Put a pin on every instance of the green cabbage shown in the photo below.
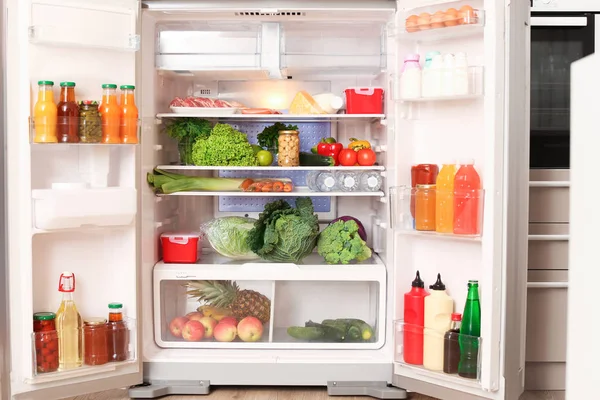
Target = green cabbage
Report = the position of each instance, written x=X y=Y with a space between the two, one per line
x=229 y=237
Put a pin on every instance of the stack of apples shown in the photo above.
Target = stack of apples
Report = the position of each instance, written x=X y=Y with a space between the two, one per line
x=195 y=327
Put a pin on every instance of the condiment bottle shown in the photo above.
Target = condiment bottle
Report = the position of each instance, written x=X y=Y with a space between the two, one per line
x=68 y=114
x=414 y=319
x=68 y=326
x=461 y=75
x=426 y=74
x=470 y=330
x=444 y=199
x=118 y=334
x=410 y=78
x=467 y=193
x=95 y=341
x=425 y=208
x=129 y=116
x=452 y=346
x=421 y=174
x=111 y=115
x=45 y=114
x=438 y=308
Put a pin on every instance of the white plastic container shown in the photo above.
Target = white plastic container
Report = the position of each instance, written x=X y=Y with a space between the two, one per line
x=329 y=102
x=410 y=78
x=438 y=312
x=425 y=74
x=434 y=77
x=448 y=76
x=461 y=75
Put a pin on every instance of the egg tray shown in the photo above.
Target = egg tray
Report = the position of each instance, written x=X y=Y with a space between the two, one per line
x=444 y=19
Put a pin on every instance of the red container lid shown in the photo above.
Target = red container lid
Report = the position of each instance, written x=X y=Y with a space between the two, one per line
x=456 y=317
x=367 y=91
x=180 y=237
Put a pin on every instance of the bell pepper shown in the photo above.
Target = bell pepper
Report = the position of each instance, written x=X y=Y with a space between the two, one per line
x=329 y=149
x=357 y=145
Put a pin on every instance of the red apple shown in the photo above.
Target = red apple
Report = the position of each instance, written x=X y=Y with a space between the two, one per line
x=209 y=326
x=193 y=331
x=176 y=326
x=195 y=316
x=225 y=332
x=229 y=320
x=250 y=329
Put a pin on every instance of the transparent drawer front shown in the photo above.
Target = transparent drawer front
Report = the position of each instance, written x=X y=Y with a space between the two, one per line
x=447 y=355
x=327 y=314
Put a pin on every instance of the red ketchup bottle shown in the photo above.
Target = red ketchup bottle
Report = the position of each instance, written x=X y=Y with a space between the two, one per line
x=414 y=320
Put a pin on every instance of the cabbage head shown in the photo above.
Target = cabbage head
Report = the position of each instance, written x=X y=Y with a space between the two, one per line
x=229 y=237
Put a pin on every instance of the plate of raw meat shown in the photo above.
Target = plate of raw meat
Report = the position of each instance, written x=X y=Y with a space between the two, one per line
x=204 y=106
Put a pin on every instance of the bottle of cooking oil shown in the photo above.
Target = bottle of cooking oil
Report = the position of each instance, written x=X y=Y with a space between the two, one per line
x=69 y=326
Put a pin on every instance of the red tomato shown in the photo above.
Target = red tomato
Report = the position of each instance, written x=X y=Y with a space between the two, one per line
x=366 y=157
x=347 y=157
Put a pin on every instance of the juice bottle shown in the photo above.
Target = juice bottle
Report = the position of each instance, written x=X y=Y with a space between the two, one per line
x=68 y=114
x=467 y=192
x=438 y=309
x=421 y=174
x=111 y=115
x=444 y=200
x=118 y=334
x=69 y=326
x=45 y=114
x=414 y=318
x=129 y=115
x=470 y=330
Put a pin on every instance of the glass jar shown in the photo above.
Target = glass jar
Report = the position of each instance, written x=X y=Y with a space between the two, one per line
x=118 y=334
x=95 y=346
x=289 y=149
x=90 y=123
x=46 y=342
x=425 y=208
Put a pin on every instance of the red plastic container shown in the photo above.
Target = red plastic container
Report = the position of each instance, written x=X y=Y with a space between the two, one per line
x=364 y=100
x=180 y=247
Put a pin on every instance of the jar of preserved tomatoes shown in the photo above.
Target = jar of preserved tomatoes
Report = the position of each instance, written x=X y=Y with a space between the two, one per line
x=118 y=333
x=46 y=342
x=95 y=347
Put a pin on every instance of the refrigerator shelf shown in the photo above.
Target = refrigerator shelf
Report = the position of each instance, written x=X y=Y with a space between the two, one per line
x=79 y=123
x=298 y=191
x=269 y=168
x=279 y=117
x=422 y=31
x=83 y=371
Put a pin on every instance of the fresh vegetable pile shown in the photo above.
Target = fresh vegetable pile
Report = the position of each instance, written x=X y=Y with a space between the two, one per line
x=283 y=233
x=229 y=236
x=186 y=131
x=341 y=243
x=225 y=146
x=333 y=330
x=268 y=137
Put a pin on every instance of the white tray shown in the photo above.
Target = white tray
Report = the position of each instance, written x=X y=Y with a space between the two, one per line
x=205 y=111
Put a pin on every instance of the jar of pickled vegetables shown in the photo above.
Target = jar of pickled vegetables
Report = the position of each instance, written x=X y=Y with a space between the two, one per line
x=46 y=342
x=90 y=123
x=95 y=344
x=289 y=149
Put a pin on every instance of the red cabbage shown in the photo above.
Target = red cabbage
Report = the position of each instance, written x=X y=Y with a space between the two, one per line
x=361 y=229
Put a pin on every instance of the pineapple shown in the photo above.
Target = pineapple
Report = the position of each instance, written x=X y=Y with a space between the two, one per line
x=227 y=294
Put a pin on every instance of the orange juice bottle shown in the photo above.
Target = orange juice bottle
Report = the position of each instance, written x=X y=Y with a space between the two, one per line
x=129 y=115
x=111 y=115
x=467 y=192
x=444 y=206
x=45 y=114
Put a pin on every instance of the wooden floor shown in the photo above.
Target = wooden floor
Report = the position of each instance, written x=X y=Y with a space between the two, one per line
x=286 y=394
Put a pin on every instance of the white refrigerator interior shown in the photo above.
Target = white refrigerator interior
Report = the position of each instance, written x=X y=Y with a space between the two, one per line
x=87 y=208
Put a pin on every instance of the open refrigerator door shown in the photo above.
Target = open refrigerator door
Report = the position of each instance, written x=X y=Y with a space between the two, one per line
x=459 y=206
x=72 y=199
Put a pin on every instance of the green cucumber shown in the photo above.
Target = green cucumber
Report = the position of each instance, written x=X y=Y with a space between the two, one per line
x=331 y=333
x=316 y=160
x=305 y=333
x=366 y=332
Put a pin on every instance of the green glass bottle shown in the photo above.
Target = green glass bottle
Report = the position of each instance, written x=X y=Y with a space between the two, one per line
x=470 y=330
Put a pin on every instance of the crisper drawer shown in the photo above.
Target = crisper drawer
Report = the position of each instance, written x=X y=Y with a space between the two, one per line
x=548 y=247
x=549 y=196
x=546 y=316
x=223 y=304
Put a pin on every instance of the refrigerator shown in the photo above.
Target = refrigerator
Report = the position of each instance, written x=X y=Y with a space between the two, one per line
x=88 y=209
x=4 y=350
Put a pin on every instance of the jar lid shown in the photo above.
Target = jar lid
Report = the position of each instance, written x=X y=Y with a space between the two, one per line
x=113 y=306
x=50 y=83
x=67 y=84
x=124 y=87
x=94 y=321
x=88 y=102
x=288 y=132
x=44 y=316
x=182 y=235
x=425 y=186
x=109 y=86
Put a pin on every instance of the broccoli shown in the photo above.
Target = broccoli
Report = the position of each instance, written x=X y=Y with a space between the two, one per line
x=225 y=147
x=340 y=243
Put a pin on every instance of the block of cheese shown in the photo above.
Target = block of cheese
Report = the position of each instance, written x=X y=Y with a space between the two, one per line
x=304 y=103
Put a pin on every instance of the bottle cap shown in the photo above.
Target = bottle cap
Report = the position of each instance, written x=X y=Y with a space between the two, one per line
x=124 y=87
x=473 y=283
x=456 y=317
x=44 y=316
x=94 y=321
x=115 y=305
x=67 y=84
x=429 y=56
x=418 y=282
x=66 y=282
x=109 y=86
x=438 y=285
x=49 y=83
x=466 y=161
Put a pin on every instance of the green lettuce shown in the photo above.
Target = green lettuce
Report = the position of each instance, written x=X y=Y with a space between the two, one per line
x=229 y=237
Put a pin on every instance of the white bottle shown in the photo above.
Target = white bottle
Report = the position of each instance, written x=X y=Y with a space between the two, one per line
x=329 y=102
x=448 y=76
x=410 y=78
x=347 y=181
x=438 y=311
x=326 y=182
x=425 y=81
x=434 y=77
x=370 y=181
x=461 y=75
x=311 y=180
